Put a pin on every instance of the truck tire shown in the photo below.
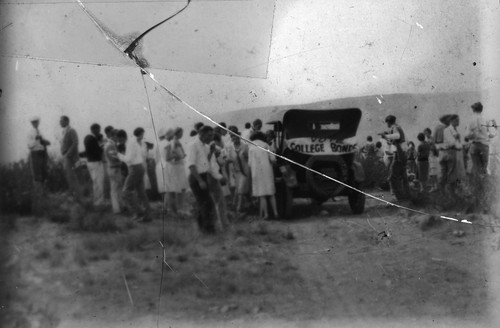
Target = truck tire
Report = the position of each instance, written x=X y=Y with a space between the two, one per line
x=317 y=191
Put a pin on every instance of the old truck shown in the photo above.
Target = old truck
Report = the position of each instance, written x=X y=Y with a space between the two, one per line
x=322 y=140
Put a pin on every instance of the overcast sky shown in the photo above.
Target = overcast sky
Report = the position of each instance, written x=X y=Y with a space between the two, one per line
x=226 y=55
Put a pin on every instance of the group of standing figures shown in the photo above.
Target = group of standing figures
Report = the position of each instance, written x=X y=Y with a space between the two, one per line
x=219 y=167
x=445 y=161
x=222 y=168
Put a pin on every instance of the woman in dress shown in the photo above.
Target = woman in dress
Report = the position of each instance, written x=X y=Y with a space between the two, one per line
x=261 y=167
x=238 y=156
x=178 y=166
x=162 y=166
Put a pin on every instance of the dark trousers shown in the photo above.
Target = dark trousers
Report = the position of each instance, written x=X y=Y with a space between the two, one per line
x=135 y=183
x=38 y=161
x=206 y=207
x=398 y=179
x=479 y=154
x=72 y=179
x=423 y=171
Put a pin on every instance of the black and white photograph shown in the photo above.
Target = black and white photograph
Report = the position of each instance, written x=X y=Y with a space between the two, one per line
x=249 y=163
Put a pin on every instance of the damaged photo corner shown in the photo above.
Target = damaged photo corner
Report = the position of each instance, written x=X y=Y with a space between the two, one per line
x=334 y=207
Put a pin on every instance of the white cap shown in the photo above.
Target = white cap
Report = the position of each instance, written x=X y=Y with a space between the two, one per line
x=34 y=118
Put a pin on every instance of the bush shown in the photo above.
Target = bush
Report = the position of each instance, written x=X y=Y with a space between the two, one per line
x=16 y=184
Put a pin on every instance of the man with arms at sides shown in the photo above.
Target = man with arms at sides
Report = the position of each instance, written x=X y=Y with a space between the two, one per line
x=69 y=152
x=199 y=167
x=93 y=149
x=479 y=132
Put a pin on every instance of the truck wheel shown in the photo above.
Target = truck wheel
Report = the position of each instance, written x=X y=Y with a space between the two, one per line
x=284 y=200
x=356 y=202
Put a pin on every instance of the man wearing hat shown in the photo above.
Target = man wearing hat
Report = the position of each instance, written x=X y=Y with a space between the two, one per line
x=479 y=132
x=398 y=178
x=38 y=152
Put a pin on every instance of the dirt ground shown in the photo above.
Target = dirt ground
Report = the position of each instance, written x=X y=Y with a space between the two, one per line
x=320 y=268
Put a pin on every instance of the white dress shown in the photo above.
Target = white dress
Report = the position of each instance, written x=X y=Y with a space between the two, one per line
x=178 y=174
x=261 y=168
x=162 y=167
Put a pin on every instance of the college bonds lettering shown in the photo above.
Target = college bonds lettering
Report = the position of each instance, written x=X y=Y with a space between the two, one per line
x=314 y=146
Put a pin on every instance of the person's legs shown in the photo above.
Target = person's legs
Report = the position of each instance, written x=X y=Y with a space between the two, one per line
x=217 y=198
x=130 y=187
x=71 y=179
x=96 y=170
x=263 y=207
x=36 y=162
x=172 y=205
x=37 y=170
x=99 y=189
x=142 y=196
x=205 y=205
x=115 y=185
x=479 y=157
x=424 y=174
x=274 y=206
x=179 y=197
x=393 y=179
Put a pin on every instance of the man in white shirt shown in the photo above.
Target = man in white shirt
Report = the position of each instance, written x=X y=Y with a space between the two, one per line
x=398 y=178
x=38 y=152
x=247 y=130
x=134 y=182
x=479 y=132
x=199 y=167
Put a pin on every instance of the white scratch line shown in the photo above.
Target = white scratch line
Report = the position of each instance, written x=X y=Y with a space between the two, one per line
x=17 y=64
x=419 y=25
x=379 y=101
x=448 y=218
x=174 y=96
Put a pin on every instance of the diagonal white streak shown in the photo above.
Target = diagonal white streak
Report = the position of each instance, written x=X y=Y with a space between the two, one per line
x=173 y=95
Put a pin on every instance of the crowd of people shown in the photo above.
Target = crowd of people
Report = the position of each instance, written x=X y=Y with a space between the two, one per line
x=222 y=169
x=219 y=167
x=443 y=161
